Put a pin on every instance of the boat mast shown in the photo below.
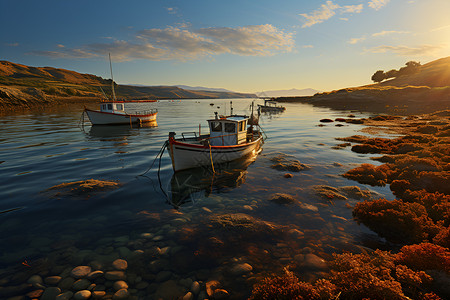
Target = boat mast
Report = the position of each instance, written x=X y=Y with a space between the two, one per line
x=112 y=78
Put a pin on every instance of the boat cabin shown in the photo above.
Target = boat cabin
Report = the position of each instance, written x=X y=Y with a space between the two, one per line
x=112 y=107
x=227 y=131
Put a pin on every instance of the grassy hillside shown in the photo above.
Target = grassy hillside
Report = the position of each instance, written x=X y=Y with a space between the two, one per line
x=26 y=86
x=426 y=90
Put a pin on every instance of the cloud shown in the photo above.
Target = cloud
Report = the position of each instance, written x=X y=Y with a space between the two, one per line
x=440 y=28
x=172 y=10
x=356 y=40
x=352 y=8
x=328 y=10
x=408 y=51
x=388 y=32
x=182 y=43
x=378 y=4
x=13 y=45
x=308 y=46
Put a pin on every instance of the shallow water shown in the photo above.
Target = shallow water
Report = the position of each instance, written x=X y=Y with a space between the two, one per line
x=41 y=149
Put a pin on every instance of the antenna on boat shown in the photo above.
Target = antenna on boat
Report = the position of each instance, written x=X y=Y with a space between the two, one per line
x=112 y=78
x=103 y=93
x=231 y=108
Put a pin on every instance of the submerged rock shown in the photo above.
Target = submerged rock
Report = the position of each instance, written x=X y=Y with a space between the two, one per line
x=283 y=162
x=81 y=188
x=283 y=199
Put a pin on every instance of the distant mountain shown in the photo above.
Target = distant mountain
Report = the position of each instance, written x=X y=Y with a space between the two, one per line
x=22 y=85
x=202 y=88
x=288 y=93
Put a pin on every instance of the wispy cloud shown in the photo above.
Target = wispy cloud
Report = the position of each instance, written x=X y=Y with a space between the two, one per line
x=12 y=44
x=408 y=51
x=388 y=32
x=328 y=10
x=440 y=28
x=172 y=10
x=182 y=43
x=356 y=40
x=378 y=4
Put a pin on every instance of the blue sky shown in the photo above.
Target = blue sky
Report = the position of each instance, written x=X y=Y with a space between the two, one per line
x=244 y=45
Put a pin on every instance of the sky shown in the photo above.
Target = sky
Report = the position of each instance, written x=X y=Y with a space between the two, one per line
x=240 y=45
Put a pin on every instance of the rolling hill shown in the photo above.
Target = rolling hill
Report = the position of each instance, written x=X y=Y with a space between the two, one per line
x=426 y=90
x=25 y=86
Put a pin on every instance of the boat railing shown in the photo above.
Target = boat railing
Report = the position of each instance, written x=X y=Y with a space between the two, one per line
x=251 y=136
x=145 y=112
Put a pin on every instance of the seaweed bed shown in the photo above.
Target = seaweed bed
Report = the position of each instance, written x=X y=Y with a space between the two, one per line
x=416 y=166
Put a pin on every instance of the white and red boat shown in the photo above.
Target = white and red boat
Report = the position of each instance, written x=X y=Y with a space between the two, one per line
x=113 y=113
x=230 y=138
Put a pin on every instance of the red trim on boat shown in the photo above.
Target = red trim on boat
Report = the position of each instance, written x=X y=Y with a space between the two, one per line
x=125 y=115
x=175 y=142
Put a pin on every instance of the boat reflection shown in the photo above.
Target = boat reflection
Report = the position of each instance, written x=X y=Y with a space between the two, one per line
x=190 y=185
x=107 y=131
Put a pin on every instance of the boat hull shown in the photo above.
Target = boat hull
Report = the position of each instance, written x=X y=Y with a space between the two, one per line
x=186 y=156
x=105 y=118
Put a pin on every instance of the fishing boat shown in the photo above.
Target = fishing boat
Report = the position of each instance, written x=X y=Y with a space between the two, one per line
x=113 y=112
x=270 y=105
x=230 y=138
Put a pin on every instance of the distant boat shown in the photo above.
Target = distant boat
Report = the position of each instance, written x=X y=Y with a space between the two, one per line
x=229 y=139
x=113 y=112
x=270 y=105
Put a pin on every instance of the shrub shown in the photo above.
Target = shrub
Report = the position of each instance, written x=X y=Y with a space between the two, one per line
x=425 y=256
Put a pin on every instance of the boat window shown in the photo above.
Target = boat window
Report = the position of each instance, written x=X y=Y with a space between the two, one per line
x=119 y=107
x=230 y=127
x=110 y=107
x=241 y=126
x=216 y=126
x=103 y=106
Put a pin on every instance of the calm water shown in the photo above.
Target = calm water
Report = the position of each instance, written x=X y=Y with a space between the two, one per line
x=42 y=149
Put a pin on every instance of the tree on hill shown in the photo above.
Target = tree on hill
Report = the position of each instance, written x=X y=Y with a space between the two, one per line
x=411 y=68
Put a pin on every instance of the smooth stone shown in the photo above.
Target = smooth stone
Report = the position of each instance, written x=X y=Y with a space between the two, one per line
x=50 y=293
x=121 y=294
x=220 y=294
x=211 y=286
x=163 y=276
x=115 y=275
x=195 y=287
x=124 y=252
x=206 y=209
x=35 y=294
x=147 y=235
x=64 y=296
x=81 y=284
x=241 y=269
x=315 y=262
x=188 y=296
x=82 y=295
x=94 y=275
x=169 y=290
x=80 y=271
x=142 y=285
x=66 y=283
x=118 y=285
x=98 y=294
x=35 y=279
x=120 y=264
x=52 y=280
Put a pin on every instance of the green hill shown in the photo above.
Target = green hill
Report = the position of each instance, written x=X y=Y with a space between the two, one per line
x=25 y=86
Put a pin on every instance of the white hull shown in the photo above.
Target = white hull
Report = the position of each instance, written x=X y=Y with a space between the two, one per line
x=187 y=155
x=106 y=118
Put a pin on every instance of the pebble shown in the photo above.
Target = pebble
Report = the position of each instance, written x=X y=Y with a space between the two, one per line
x=94 y=275
x=66 y=283
x=64 y=296
x=315 y=262
x=80 y=271
x=82 y=295
x=35 y=294
x=115 y=275
x=98 y=294
x=142 y=285
x=50 y=293
x=120 y=264
x=195 y=287
x=81 y=284
x=188 y=296
x=241 y=269
x=220 y=294
x=206 y=209
x=52 y=280
x=118 y=285
x=163 y=276
x=211 y=286
x=35 y=279
x=121 y=294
